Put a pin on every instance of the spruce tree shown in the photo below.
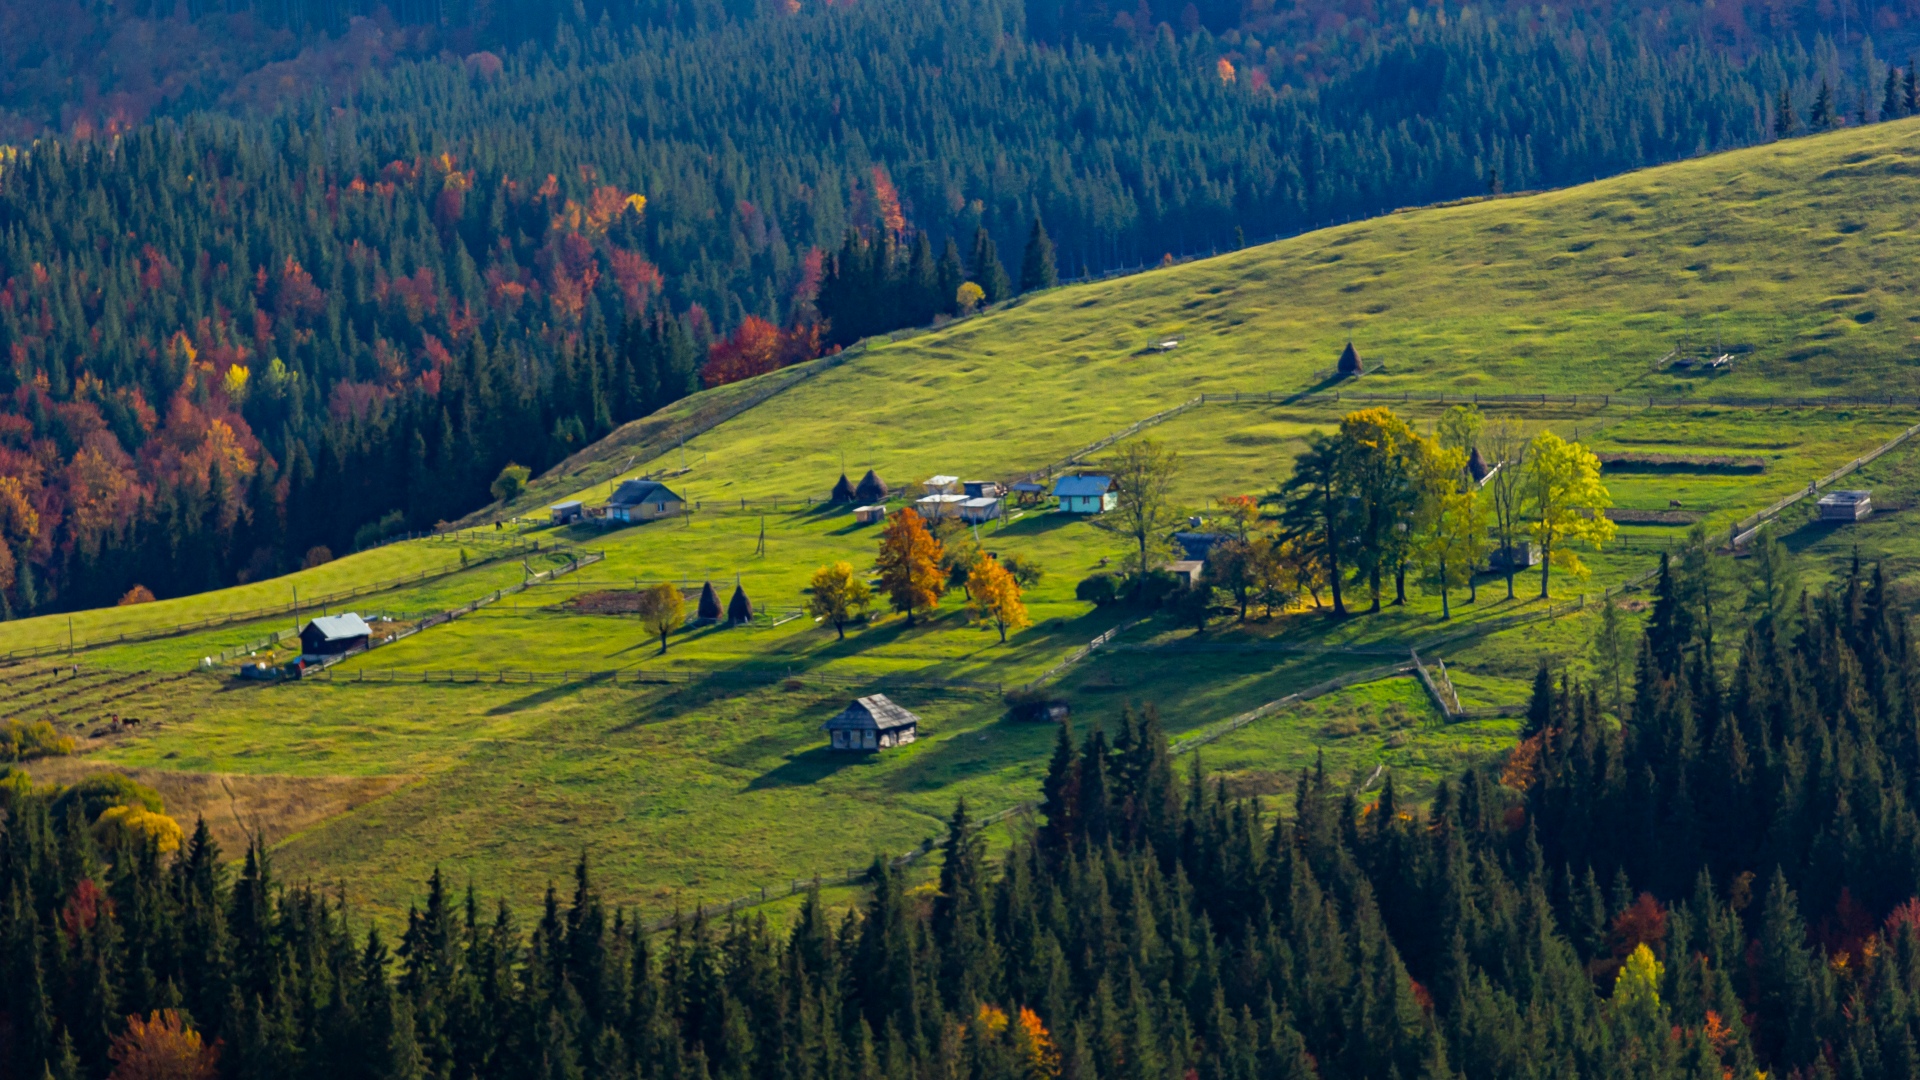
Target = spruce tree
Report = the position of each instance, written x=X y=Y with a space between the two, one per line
x=1036 y=265
x=986 y=270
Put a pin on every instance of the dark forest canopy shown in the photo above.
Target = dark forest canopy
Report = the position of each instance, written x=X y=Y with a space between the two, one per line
x=232 y=342
x=1719 y=881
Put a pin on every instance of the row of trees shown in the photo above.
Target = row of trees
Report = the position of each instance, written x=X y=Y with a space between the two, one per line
x=1721 y=882
x=916 y=568
x=1375 y=501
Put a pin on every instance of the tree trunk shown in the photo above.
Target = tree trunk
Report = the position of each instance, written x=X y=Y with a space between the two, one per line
x=1509 y=557
x=663 y=642
x=840 y=628
x=1003 y=632
x=1400 y=585
x=1373 y=589
x=1546 y=564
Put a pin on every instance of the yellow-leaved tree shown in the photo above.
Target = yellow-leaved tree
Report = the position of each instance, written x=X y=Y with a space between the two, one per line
x=909 y=564
x=1566 y=502
x=1636 y=996
x=993 y=594
x=662 y=610
x=837 y=593
x=1451 y=527
x=135 y=826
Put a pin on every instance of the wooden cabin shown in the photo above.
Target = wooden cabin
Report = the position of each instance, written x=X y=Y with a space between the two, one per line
x=981 y=510
x=643 y=500
x=871 y=724
x=330 y=635
x=566 y=513
x=867 y=515
x=1846 y=505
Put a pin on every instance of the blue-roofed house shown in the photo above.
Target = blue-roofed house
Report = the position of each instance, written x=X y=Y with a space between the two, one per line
x=643 y=500
x=1086 y=494
x=329 y=635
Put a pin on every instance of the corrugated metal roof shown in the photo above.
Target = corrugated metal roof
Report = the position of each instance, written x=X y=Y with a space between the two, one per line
x=338 y=627
x=1082 y=486
x=873 y=711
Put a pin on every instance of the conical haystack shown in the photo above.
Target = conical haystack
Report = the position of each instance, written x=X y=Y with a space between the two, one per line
x=842 y=491
x=739 y=609
x=709 y=604
x=872 y=489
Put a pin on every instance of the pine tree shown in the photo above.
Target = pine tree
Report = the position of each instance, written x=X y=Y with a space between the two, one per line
x=986 y=271
x=1823 y=116
x=1036 y=265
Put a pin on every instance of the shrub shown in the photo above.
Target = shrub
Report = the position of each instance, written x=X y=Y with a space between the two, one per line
x=136 y=826
x=316 y=555
x=1153 y=587
x=1099 y=589
x=1026 y=572
x=511 y=482
x=24 y=740
x=139 y=594
x=96 y=793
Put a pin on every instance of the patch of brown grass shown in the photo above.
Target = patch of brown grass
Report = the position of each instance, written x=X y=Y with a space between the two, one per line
x=238 y=805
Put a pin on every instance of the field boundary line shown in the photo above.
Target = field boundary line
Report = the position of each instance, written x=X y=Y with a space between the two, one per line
x=256 y=614
x=1648 y=401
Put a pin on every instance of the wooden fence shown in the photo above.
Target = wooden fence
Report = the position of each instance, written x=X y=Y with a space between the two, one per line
x=655 y=677
x=1319 y=397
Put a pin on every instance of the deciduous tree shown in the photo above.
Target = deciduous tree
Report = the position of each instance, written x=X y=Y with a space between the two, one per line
x=909 y=564
x=995 y=595
x=1452 y=527
x=1143 y=472
x=662 y=610
x=1566 y=504
x=838 y=593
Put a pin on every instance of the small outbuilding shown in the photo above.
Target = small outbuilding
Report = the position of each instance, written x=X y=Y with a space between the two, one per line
x=1523 y=554
x=1085 y=494
x=842 y=491
x=1198 y=546
x=331 y=635
x=1846 y=505
x=1187 y=571
x=739 y=609
x=643 y=500
x=868 y=515
x=980 y=510
x=1026 y=491
x=935 y=507
x=871 y=723
x=982 y=489
x=871 y=489
x=1349 y=365
x=566 y=513
x=942 y=485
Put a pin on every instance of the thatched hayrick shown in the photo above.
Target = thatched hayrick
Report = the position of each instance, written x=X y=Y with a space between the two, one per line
x=872 y=489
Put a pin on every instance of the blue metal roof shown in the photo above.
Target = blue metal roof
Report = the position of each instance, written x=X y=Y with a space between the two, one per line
x=1082 y=486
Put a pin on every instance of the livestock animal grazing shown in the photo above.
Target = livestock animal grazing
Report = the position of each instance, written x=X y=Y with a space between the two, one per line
x=1673 y=504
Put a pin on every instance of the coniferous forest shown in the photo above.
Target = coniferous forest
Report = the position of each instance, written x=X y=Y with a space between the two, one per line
x=1720 y=880
x=244 y=334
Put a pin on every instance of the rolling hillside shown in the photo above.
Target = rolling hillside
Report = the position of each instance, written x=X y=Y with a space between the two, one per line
x=711 y=781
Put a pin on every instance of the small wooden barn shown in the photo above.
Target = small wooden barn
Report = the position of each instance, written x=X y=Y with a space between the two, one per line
x=739 y=609
x=867 y=515
x=981 y=510
x=1846 y=505
x=566 y=513
x=942 y=485
x=871 y=723
x=871 y=489
x=330 y=635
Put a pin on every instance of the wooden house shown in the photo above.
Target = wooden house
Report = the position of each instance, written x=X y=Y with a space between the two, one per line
x=1846 y=505
x=871 y=723
x=643 y=500
x=566 y=513
x=330 y=635
x=867 y=515
x=1086 y=494
x=981 y=510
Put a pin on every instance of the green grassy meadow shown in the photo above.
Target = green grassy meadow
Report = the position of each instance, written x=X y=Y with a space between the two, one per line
x=719 y=783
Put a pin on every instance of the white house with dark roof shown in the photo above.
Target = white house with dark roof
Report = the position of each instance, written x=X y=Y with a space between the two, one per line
x=871 y=723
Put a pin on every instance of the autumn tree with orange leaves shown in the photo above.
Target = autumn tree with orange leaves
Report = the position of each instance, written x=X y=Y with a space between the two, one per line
x=909 y=564
x=161 y=1047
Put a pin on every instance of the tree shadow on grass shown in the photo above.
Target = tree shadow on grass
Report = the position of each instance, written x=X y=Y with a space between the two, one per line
x=810 y=766
x=1035 y=524
x=538 y=698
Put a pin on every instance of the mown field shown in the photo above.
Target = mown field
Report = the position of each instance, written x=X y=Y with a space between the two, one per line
x=719 y=784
